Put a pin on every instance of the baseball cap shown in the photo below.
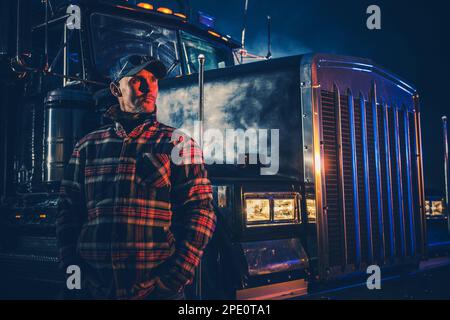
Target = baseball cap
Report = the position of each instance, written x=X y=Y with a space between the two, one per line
x=130 y=65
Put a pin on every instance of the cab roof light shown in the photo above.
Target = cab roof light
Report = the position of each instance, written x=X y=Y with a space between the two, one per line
x=180 y=15
x=145 y=5
x=126 y=8
x=215 y=34
x=165 y=10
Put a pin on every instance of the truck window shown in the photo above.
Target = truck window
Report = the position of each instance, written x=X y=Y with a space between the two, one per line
x=114 y=37
x=216 y=56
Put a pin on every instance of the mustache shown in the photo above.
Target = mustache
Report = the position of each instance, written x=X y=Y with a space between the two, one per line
x=146 y=96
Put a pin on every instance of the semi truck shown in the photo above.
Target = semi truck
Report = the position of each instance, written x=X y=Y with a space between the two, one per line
x=348 y=191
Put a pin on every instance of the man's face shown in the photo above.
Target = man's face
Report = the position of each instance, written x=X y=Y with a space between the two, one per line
x=138 y=93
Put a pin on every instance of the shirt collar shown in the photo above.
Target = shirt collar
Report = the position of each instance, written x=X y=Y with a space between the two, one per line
x=115 y=114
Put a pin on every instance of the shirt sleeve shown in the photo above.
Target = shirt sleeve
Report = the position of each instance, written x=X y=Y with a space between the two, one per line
x=193 y=220
x=71 y=209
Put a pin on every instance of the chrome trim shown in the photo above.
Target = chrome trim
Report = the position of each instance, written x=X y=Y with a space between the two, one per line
x=351 y=107
x=373 y=100
x=340 y=171
x=387 y=148
x=446 y=171
x=367 y=67
x=65 y=62
x=307 y=135
x=421 y=189
x=201 y=96
x=399 y=181
x=311 y=101
x=201 y=116
x=321 y=205
x=408 y=183
x=366 y=177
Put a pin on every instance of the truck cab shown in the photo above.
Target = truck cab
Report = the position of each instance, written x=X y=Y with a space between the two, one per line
x=346 y=186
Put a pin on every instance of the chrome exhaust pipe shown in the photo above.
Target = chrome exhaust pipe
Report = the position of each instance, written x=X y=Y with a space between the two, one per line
x=201 y=101
x=446 y=169
x=201 y=117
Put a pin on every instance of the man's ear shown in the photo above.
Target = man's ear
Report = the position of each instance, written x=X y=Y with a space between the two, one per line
x=115 y=90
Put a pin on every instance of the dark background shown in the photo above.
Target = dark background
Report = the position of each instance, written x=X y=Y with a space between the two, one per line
x=413 y=43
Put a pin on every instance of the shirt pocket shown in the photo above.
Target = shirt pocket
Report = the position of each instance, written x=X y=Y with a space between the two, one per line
x=153 y=170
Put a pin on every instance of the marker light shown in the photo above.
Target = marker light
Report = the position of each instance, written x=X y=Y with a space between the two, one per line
x=165 y=10
x=180 y=15
x=215 y=34
x=42 y=216
x=145 y=5
x=126 y=8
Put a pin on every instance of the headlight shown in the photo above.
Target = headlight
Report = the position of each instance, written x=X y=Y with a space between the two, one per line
x=437 y=208
x=428 y=207
x=271 y=208
x=284 y=209
x=311 y=209
x=257 y=210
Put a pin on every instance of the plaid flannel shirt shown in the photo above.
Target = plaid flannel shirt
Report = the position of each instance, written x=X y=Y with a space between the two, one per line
x=128 y=213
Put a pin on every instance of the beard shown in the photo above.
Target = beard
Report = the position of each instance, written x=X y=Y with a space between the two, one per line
x=143 y=104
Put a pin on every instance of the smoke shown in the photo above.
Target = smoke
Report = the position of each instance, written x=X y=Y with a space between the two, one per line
x=178 y=107
x=243 y=102
x=282 y=46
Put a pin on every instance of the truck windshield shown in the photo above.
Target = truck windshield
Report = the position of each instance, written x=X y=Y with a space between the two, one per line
x=114 y=37
x=216 y=56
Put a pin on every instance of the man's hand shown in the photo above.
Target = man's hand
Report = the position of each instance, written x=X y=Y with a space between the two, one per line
x=160 y=284
x=193 y=220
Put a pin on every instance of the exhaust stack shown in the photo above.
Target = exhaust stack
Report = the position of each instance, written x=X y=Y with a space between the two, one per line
x=446 y=169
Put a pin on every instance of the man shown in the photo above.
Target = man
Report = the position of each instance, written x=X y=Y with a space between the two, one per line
x=133 y=220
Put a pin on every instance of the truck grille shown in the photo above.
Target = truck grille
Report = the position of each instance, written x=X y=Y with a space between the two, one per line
x=334 y=216
x=370 y=180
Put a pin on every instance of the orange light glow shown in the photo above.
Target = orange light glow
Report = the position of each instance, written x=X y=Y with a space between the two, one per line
x=126 y=8
x=42 y=216
x=165 y=10
x=180 y=15
x=145 y=5
x=317 y=162
x=215 y=34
